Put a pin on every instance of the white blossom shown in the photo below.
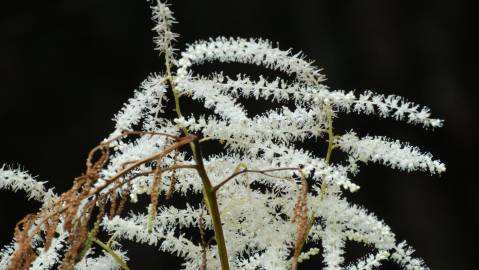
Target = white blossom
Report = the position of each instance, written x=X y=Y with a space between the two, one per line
x=105 y=261
x=249 y=51
x=394 y=154
x=163 y=17
x=402 y=255
x=17 y=179
x=396 y=107
x=6 y=253
x=370 y=262
x=48 y=259
x=146 y=101
x=256 y=208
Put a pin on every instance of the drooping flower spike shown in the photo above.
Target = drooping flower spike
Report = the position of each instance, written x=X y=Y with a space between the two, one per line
x=272 y=196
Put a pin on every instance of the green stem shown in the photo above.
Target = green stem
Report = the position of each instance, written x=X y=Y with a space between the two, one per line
x=111 y=239
x=91 y=235
x=208 y=191
x=112 y=253
x=212 y=204
x=176 y=97
x=330 y=135
x=324 y=186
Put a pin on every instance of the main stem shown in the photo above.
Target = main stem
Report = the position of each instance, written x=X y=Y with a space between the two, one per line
x=212 y=204
x=209 y=193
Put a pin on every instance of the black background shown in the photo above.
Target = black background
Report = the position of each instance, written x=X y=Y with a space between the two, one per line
x=67 y=66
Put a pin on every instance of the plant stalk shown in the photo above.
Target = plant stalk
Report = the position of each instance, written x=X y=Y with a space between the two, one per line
x=208 y=190
x=212 y=205
x=122 y=263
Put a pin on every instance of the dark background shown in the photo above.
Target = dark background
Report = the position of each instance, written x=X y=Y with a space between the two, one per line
x=66 y=67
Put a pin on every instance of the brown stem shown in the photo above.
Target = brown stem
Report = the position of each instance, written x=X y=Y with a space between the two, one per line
x=180 y=142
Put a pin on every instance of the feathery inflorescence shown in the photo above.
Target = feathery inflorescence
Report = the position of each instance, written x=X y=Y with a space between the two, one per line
x=272 y=195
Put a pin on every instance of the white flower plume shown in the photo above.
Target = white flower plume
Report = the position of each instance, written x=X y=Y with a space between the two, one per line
x=394 y=154
x=17 y=179
x=281 y=194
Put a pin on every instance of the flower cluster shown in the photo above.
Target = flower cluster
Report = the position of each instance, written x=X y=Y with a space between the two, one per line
x=265 y=196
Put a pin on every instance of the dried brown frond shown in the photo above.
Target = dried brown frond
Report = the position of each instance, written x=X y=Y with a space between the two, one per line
x=154 y=195
x=95 y=166
x=113 y=200
x=51 y=228
x=77 y=205
x=78 y=236
x=96 y=227
x=24 y=255
x=123 y=200
x=70 y=213
x=173 y=179
x=300 y=217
